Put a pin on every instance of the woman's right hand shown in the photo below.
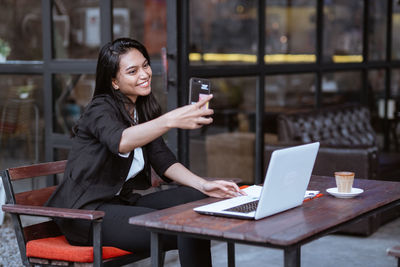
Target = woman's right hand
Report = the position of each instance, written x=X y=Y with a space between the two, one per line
x=190 y=116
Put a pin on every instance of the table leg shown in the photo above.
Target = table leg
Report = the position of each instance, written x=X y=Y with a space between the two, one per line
x=231 y=254
x=156 y=251
x=292 y=256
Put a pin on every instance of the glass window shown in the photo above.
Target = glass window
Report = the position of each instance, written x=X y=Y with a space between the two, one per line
x=376 y=87
x=341 y=87
x=71 y=93
x=20 y=30
x=377 y=30
x=145 y=21
x=223 y=32
x=290 y=31
x=226 y=147
x=76 y=29
x=295 y=91
x=158 y=91
x=287 y=93
x=376 y=97
x=393 y=110
x=21 y=120
x=396 y=30
x=395 y=86
x=343 y=29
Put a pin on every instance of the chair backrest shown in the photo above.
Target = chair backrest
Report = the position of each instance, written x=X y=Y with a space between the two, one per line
x=32 y=197
x=345 y=125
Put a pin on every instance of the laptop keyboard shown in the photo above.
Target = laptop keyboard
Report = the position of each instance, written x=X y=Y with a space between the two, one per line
x=245 y=208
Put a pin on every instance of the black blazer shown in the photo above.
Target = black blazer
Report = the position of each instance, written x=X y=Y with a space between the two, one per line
x=95 y=172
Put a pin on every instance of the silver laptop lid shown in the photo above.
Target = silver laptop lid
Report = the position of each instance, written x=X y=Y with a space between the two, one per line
x=288 y=174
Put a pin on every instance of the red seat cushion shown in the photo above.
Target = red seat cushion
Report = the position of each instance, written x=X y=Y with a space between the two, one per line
x=58 y=248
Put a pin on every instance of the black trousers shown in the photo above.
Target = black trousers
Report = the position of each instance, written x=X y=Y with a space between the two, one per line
x=116 y=230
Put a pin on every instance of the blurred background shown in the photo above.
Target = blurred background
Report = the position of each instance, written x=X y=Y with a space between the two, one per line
x=264 y=58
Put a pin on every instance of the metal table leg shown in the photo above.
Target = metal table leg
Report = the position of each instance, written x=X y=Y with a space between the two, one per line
x=292 y=256
x=156 y=251
x=231 y=254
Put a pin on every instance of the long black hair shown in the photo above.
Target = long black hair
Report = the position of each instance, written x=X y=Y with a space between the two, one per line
x=147 y=107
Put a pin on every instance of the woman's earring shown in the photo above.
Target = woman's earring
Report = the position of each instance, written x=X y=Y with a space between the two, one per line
x=114 y=85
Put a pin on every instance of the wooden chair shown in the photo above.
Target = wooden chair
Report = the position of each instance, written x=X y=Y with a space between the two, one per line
x=42 y=243
x=395 y=252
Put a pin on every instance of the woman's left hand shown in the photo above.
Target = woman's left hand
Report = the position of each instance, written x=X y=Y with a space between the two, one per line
x=221 y=189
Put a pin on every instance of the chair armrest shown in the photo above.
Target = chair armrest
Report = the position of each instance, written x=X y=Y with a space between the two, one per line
x=90 y=215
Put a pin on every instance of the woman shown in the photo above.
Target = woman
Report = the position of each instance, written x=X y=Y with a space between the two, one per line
x=116 y=142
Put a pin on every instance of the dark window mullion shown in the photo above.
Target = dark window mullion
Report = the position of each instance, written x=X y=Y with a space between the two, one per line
x=388 y=70
x=73 y=66
x=319 y=52
x=48 y=49
x=260 y=105
x=389 y=26
x=183 y=64
x=172 y=75
x=26 y=67
x=106 y=21
x=364 y=91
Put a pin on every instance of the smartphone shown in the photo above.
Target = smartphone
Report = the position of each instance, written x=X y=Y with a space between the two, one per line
x=198 y=89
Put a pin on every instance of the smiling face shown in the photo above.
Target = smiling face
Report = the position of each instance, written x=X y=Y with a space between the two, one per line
x=134 y=75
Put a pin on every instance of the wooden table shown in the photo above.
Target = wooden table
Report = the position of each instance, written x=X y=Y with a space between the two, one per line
x=288 y=230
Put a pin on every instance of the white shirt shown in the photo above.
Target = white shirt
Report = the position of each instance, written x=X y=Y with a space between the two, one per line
x=137 y=162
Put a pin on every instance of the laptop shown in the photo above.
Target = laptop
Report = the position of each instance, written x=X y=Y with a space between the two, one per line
x=285 y=185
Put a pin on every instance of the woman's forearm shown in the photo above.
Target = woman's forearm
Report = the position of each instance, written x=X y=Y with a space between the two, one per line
x=216 y=188
x=142 y=134
x=182 y=175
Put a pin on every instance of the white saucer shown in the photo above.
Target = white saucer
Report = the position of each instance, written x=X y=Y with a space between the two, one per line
x=354 y=192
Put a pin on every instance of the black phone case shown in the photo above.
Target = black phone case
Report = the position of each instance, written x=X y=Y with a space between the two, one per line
x=198 y=86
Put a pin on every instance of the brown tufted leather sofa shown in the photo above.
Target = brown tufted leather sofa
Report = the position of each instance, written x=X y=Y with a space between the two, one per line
x=348 y=142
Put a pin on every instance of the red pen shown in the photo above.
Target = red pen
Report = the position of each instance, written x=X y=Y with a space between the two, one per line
x=316 y=196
